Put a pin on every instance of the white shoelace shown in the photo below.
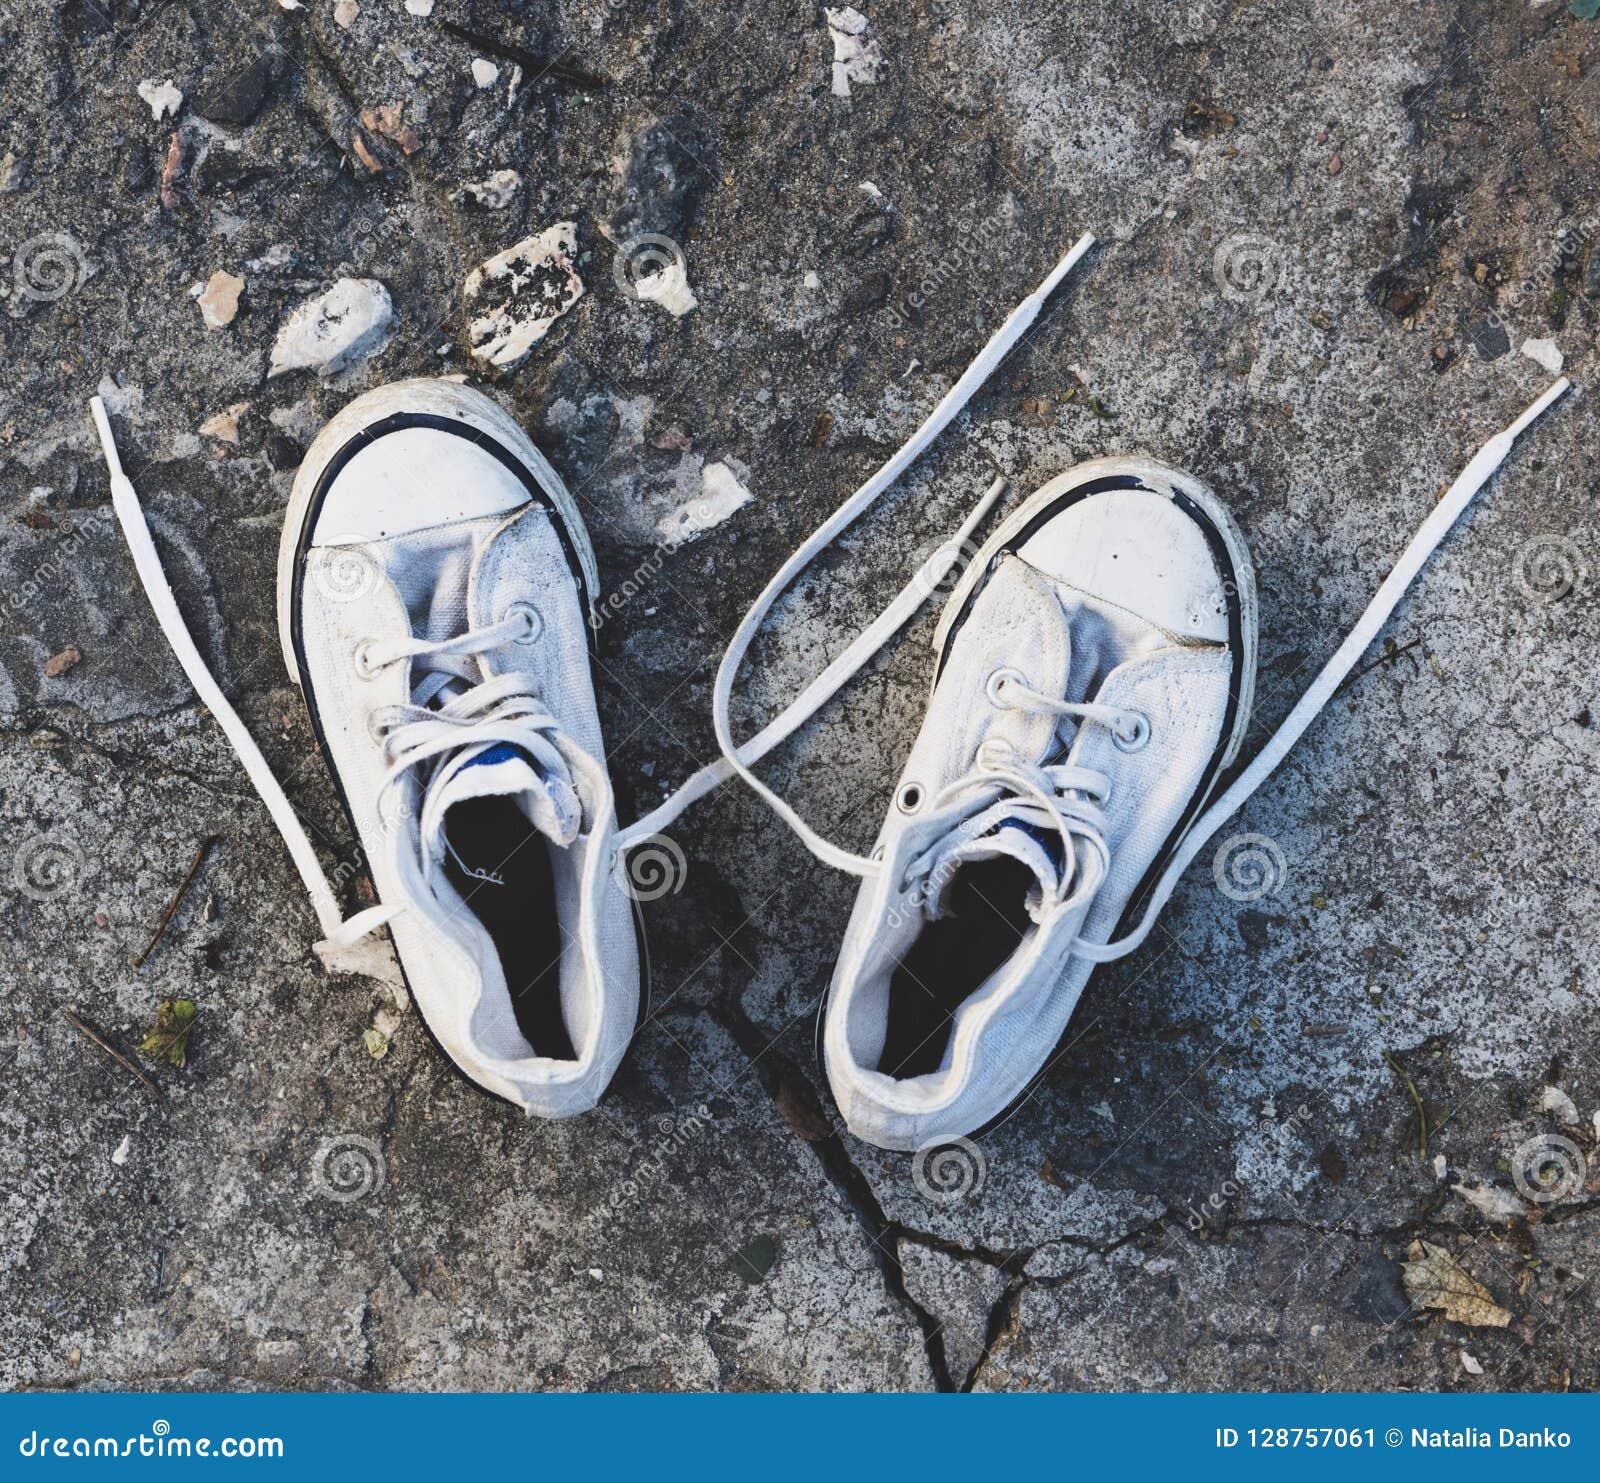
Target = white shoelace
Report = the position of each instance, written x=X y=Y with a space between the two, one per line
x=738 y=760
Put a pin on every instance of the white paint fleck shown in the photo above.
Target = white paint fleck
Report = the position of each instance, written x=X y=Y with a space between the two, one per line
x=1546 y=352
x=867 y=188
x=345 y=13
x=1440 y=1166
x=669 y=288
x=1469 y=1364
x=484 y=72
x=1497 y=1204
x=494 y=191
x=334 y=330
x=372 y=957
x=1557 y=1103
x=721 y=493
x=857 y=57
x=164 y=99
x=420 y=7
x=516 y=296
x=811 y=280
x=119 y=1155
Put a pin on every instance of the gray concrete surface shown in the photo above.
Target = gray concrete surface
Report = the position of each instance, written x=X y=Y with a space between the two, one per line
x=1329 y=229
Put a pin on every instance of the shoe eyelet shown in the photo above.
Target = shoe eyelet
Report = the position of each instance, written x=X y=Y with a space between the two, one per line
x=997 y=681
x=367 y=668
x=531 y=616
x=996 y=752
x=1134 y=741
x=910 y=797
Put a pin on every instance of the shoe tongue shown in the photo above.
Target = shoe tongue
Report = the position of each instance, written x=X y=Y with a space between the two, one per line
x=537 y=780
x=1039 y=849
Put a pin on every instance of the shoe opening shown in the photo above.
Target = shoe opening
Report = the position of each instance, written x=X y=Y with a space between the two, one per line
x=985 y=920
x=501 y=867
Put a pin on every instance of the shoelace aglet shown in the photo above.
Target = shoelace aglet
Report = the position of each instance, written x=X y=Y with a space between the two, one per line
x=1553 y=395
x=1073 y=256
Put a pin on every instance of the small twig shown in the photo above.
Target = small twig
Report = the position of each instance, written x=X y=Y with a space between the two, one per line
x=177 y=900
x=1387 y=657
x=1416 y=1101
x=88 y=1031
x=533 y=68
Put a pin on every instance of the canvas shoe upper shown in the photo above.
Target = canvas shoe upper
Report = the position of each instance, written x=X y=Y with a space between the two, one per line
x=1094 y=678
x=434 y=588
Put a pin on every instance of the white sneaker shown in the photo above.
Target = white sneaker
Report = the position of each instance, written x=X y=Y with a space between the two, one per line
x=434 y=588
x=1094 y=672
x=1096 y=668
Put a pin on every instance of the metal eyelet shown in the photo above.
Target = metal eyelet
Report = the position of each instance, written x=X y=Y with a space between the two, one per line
x=998 y=679
x=531 y=616
x=909 y=799
x=367 y=668
x=1135 y=740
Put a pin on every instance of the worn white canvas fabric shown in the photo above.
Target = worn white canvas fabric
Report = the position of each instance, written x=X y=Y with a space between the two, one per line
x=434 y=587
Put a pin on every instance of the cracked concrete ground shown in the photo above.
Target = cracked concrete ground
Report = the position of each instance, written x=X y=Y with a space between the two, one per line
x=1329 y=230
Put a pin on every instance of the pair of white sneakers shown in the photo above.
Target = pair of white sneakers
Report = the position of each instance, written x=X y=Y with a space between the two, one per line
x=1094 y=669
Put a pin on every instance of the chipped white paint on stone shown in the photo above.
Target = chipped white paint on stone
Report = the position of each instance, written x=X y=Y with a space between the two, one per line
x=420 y=7
x=484 y=72
x=1546 y=352
x=119 y=1155
x=669 y=288
x=164 y=99
x=857 y=57
x=721 y=493
x=1497 y=1204
x=494 y=191
x=348 y=323
x=345 y=13
x=1560 y=1106
x=515 y=297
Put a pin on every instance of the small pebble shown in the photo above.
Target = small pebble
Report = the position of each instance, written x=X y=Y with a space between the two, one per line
x=484 y=72
x=59 y=663
x=1336 y=164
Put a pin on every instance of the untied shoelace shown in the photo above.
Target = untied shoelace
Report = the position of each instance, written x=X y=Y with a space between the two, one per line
x=738 y=759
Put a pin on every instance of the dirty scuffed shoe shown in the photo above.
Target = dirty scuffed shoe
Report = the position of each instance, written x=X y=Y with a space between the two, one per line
x=1094 y=675
x=434 y=587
